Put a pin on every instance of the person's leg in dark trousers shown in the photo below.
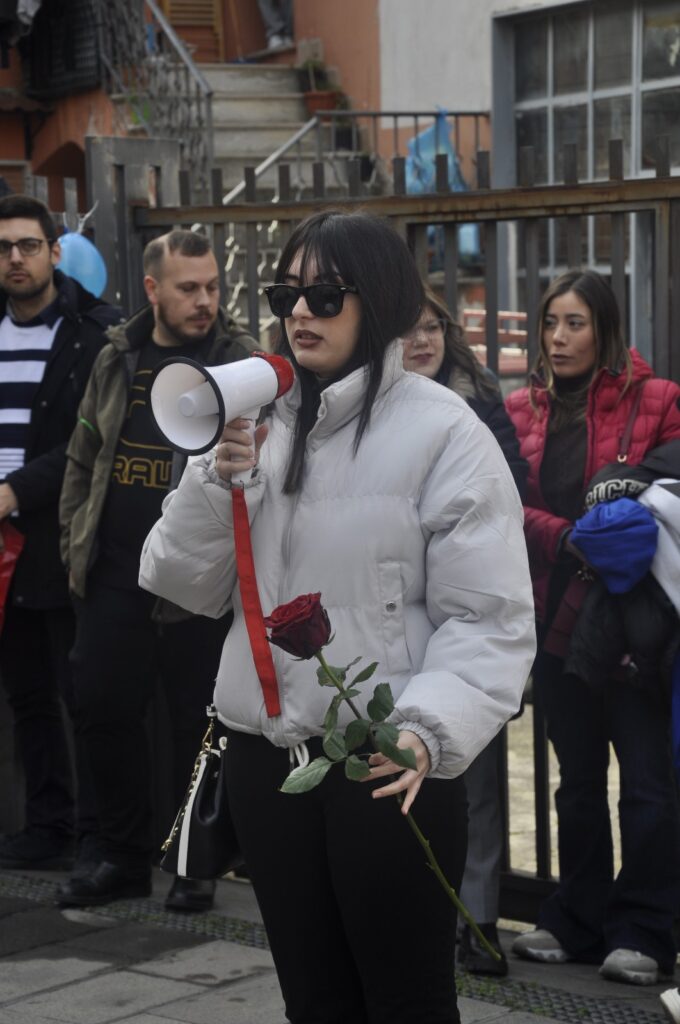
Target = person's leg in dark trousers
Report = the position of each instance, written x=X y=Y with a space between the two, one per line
x=350 y=907
x=189 y=654
x=113 y=674
x=33 y=664
x=480 y=890
x=645 y=899
x=575 y=715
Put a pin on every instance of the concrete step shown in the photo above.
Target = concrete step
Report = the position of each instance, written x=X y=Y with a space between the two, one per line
x=251 y=79
x=257 y=141
x=258 y=108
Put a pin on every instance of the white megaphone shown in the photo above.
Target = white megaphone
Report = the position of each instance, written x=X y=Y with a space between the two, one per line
x=191 y=403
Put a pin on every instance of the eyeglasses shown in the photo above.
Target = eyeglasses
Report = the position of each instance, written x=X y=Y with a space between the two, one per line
x=324 y=300
x=26 y=246
x=425 y=331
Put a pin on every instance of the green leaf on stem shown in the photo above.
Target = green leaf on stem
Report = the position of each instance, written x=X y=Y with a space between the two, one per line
x=387 y=730
x=301 y=780
x=353 y=662
x=403 y=757
x=325 y=679
x=330 y=720
x=365 y=673
x=356 y=733
x=348 y=694
x=356 y=769
x=334 y=745
x=381 y=704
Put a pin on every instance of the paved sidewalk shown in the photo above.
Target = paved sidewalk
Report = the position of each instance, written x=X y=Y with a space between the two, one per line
x=133 y=962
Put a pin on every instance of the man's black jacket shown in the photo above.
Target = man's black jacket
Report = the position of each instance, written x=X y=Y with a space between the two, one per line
x=40 y=580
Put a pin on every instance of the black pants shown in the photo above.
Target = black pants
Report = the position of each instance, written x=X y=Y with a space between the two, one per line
x=360 y=930
x=35 y=671
x=593 y=912
x=118 y=654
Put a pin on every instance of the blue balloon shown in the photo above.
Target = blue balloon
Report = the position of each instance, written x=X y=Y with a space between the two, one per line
x=83 y=261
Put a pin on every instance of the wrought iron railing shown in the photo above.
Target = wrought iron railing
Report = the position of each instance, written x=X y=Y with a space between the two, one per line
x=148 y=66
x=339 y=135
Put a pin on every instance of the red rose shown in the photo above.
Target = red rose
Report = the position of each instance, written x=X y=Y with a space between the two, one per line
x=300 y=627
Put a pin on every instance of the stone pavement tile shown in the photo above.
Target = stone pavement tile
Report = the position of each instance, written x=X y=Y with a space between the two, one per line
x=211 y=964
x=13 y=905
x=251 y=1001
x=36 y=970
x=130 y=943
x=15 y=1015
x=473 y=1011
x=40 y=927
x=109 y=997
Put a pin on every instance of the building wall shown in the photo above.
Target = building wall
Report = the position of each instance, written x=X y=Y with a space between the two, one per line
x=350 y=32
x=438 y=52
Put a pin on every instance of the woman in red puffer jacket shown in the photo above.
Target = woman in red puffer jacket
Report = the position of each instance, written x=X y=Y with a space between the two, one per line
x=590 y=401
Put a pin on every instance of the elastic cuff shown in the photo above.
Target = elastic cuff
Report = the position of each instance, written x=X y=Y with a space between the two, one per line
x=429 y=739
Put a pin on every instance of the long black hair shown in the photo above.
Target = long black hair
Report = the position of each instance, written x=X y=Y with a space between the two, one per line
x=365 y=252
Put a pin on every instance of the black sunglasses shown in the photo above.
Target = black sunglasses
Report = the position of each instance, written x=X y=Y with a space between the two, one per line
x=324 y=300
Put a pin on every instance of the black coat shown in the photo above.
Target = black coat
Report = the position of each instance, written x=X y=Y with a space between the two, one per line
x=39 y=579
x=493 y=413
x=641 y=623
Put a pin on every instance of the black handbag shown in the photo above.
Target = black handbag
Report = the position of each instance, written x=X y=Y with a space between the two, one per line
x=202 y=843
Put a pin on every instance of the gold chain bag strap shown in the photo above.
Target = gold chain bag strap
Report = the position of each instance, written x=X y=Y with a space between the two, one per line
x=202 y=842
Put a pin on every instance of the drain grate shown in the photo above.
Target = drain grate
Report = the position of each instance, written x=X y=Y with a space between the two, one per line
x=146 y=911
x=529 y=997
x=553 y=1003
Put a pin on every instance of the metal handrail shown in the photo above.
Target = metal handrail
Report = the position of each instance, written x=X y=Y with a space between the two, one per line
x=179 y=47
x=352 y=115
x=158 y=79
x=273 y=158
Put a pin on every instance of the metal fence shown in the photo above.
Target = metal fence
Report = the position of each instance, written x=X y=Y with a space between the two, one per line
x=142 y=193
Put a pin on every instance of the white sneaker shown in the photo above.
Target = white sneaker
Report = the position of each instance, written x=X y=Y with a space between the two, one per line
x=670 y=1000
x=540 y=945
x=631 y=966
x=275 y=42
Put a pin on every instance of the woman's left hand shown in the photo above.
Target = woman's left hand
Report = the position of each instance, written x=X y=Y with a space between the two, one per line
x=409 y=781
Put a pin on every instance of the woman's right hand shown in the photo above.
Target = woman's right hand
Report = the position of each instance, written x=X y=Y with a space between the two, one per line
x=235 y=450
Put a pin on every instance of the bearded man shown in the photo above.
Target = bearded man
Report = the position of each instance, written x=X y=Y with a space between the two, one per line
x=118 y=472
x=51 y=331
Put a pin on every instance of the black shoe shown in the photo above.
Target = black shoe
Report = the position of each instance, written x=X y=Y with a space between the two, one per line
x=190 y=894
x=472 y=957
x=36 y=849
x=105 y=883
x=89 y=855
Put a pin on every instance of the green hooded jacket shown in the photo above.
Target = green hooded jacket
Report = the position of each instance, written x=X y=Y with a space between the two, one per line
x=92 y=448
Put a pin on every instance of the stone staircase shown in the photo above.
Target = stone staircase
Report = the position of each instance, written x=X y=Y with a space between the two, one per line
x=256 y=109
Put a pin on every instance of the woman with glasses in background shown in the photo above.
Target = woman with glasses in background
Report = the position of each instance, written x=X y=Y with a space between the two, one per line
x=436 y=348
x=384 y=492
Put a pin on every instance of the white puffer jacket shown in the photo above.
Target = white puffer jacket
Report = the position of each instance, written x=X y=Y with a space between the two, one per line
x=415 y=543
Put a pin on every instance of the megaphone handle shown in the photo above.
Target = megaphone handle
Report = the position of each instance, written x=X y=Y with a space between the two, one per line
x=251 y=416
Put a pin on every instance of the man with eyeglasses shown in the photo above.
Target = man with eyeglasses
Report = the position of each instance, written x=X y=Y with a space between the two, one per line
x=51 y=329
x=119 y=471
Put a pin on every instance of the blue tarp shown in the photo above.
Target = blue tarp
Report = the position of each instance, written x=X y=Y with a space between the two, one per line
x=421 y=178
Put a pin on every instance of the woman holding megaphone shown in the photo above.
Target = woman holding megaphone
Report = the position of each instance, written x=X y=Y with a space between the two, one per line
x=383 y=491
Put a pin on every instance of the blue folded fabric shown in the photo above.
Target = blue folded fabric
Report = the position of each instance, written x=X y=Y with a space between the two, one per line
x=618 y=538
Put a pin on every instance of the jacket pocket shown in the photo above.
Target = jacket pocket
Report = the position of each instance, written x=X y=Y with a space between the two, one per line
x=392 y=616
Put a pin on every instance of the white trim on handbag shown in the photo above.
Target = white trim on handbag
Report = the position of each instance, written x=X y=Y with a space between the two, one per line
x=183 y=849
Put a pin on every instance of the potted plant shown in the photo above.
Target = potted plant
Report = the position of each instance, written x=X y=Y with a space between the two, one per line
x=316 y=87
